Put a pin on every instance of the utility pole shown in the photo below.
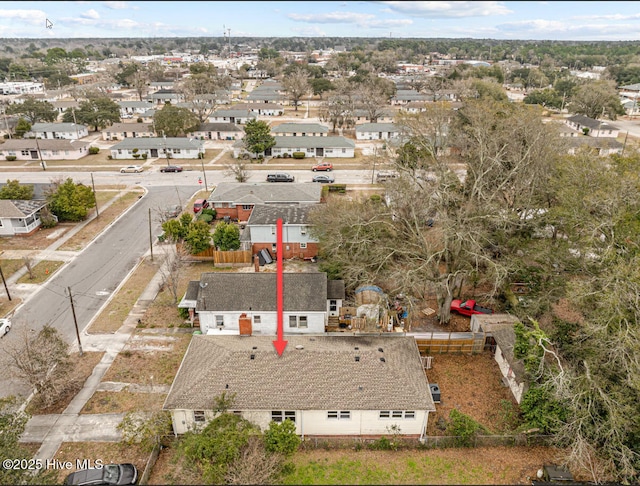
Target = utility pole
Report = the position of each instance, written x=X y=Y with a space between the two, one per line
x=624 y=145
x=150 y=237
x=5 y=284
x=42 y=164
x=95 y=199
x=75 y=321
x=204 y=174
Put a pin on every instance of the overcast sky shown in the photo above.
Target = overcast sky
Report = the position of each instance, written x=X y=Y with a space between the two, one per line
x=489 y=20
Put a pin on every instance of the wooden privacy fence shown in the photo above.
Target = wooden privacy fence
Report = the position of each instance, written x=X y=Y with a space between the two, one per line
x=239 y=257
x=449 y=342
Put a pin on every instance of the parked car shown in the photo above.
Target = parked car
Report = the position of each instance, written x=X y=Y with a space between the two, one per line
x=131 y=168
x=108 y=474
x=199 y=205
x=171 y=168
x=468 y=308
x=323 y=178
x=172 y=211
x=5 y=326
x=280 y=177
x=322 y=166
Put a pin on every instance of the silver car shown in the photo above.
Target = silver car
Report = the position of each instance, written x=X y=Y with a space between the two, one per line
x=131 y=168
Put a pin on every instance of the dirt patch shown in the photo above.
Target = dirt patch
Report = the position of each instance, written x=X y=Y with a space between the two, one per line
x=472 y=385
x=144 y=368
x=123 y=402
x=81 y=369
x=107 y=452
x=39 y=240
x=422 y=323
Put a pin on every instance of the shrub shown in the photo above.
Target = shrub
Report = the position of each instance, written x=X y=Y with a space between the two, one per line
x=11 y=157
x=145 y=156
x=463 y=428
x=375 y=198
x=110 y=157
x=136 y=156
x=139 y=120
x=135 y=150
x=281 y=437
x=207 y=218
x=209 y=211
x=341 y=188
x=94 y=150
x=298 y=155
x=286 y=155
x=183 y=313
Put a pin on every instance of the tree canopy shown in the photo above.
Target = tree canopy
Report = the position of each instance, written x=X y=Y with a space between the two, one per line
x=98 y=112
x=174 y=121
x=258 y=136
x=34 y=110
x=14 y=190
x=71 y=201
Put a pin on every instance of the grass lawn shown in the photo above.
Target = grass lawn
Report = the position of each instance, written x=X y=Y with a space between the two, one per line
x=41 y=271
x=6 y=305
x=9 y=267
x=89 y=232
x=114 y=314
x=123 y=401
x=188 y=164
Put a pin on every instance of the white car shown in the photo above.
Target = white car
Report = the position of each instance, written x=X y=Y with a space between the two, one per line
x=131 y=168
x=5 y=325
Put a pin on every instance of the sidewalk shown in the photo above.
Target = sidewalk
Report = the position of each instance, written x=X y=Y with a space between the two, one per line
x=70 y=426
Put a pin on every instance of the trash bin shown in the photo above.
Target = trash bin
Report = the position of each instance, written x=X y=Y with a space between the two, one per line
x=435 y=392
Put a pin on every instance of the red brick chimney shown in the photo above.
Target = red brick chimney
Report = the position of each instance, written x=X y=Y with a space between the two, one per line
x=256 y=262
x=245 y=325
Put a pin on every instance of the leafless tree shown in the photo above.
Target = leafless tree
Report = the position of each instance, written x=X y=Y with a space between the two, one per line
x=202 y=91
x=139 y=81
x=296 y=85
x=372 y=99
x=238 y=170
x=254 y=465
x=28 y=263
x=173 y=269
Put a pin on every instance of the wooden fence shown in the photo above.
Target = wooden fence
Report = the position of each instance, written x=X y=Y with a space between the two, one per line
x=452 y=342
x=237 y=257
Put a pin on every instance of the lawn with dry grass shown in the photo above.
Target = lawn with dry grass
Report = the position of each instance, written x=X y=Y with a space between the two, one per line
x=40 y=272
x=81 y=368
x=154 y=366
x=121 y=203
x=107 y=452
x=7 y=306
x=114 y=314
x=10 y=266
x=123 y=401
x=39 y=240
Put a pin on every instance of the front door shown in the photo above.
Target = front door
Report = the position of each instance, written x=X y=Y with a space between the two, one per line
x=34 y=154
x=319 y=152
x=154 y=152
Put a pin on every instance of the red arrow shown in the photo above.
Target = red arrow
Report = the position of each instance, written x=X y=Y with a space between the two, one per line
x=279 y=343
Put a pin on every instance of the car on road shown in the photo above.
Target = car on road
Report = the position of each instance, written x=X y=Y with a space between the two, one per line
x=171 y=168
x=131 y=168
x=199 y=205
x=280 y=177
x=172 y=211
x=107 y=474
x=327 y=179
x=322 y=166
x=5 y=326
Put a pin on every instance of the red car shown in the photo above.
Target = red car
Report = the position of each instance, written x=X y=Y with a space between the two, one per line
x=200 y=204
x=468 y=308
x=322 y=166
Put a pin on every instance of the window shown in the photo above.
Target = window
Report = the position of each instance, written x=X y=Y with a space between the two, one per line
x=409 y=415
x=273 y=230
x=256 y=319
x=303 y=246
x=120 y=151
x=339 y=415
x=344 y=151
x=293 y=321
x=24 y=152
x=303 y=230
x=333 y=305
x=247 y=207
x=310 y=150
x=280 y=416
x=396 y=414
x=302 y=322
x=176 y=151
x=55 y=152
x=198 y=415
x=219 y=320
x=385 y=414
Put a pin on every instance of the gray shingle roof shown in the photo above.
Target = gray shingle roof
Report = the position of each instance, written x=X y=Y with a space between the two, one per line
x=590 y=122
x=285 y=141
x=321 y=376
x=129 y=127
x=266 y=192
x=159 y=142
x=377 y=127
x=219 y=127
x=16 y=208
x=57 y=127
x=233 y=113
x=335 y=289
x=134 y=104
x=269 y=214
x=229 y=292
x=44 y=144
x=300 y=128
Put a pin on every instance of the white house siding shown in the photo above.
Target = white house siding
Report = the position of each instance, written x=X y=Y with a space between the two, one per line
x=375 y=135
x=290 y=233
x=317 y=423
x=72 y=135
x=516 y=388
x=119 y=154
x=46 y=154
x=268 y=322
x=336 y=312
x=347 y=152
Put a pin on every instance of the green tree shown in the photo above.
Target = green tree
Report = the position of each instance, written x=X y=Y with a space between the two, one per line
x=266 y=53
x=596 y=99
x=34 y=110
x=320 y=86
x=258 y=137
x=22 y=127
x=55 y=54
x=14 y=190
x=148 y=430
x=226 y=236
x=97 y=112
x=177 y=229
x=282 y=437
x=548 y=98
x=198 y=238
x=174 y=121
x=71 y=201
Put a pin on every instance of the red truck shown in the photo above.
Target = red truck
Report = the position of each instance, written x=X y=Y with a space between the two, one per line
x=468 y=308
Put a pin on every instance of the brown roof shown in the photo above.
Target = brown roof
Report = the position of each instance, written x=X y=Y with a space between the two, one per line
x=313 y=373
x=15 y=208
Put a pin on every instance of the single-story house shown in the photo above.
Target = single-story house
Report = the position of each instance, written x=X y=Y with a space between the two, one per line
x=602 y=146
x=158 y=85
x=499 y=333
x=237 y=200
x=260 y=231
x=327 y=385
x=218 y=131
x=631 y=106
x=147 y=116
x=362 y=116
x=300 y=130
x=52 y=131
x=120 y=131
x=377 y=131
x=19 y=217
x=312 y=146
x=63 y=105
x=176 y=148
x=163 y=96
x=405 y=96
x=596 y=128
x=133 y=107
x=265 y=96
x=28 y=148
x=223 y=297
x=264 y=109
x=232 y=116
